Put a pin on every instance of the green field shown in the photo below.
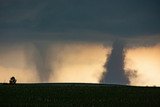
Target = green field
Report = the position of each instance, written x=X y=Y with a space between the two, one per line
x=77 y=95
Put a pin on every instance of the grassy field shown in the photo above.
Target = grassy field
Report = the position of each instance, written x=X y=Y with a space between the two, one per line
x=77 y=95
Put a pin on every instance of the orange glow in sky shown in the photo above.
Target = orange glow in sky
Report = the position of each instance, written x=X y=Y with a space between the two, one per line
x=69 y=62
x=146 y=61
x=13 y=62
x=78 y=62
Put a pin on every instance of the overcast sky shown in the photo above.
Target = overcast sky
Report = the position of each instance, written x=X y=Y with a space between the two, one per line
x=78 y=19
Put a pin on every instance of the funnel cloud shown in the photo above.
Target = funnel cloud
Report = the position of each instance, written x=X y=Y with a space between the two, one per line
x=37 y=55
x=114 y=66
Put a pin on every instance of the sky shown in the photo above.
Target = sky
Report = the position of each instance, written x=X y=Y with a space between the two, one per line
x=91 y=41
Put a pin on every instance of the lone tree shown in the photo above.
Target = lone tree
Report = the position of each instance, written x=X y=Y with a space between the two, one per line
x=12 y=80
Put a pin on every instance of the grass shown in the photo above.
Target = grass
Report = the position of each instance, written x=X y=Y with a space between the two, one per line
x=77 y=95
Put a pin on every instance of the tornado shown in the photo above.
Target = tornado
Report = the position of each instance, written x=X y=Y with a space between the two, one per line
x=37 y=56
x=114 y=66
x=42 y=61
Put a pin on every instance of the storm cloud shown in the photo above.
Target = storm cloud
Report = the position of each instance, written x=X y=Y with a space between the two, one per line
x=89 y=20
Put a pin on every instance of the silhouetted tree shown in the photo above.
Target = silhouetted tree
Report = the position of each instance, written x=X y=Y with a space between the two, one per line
x=12 y=80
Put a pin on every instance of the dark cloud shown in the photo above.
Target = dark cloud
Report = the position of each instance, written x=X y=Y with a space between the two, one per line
x=28 y=20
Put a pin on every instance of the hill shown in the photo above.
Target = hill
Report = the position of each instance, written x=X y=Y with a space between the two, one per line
x=77 y=95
